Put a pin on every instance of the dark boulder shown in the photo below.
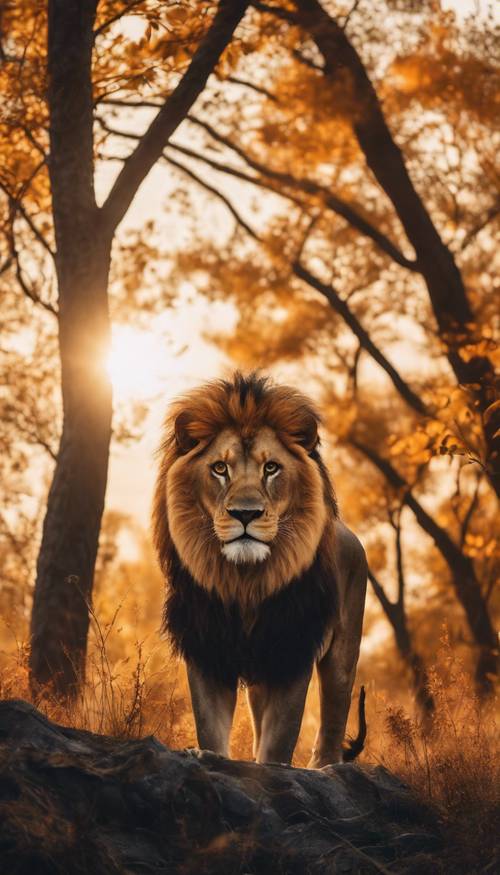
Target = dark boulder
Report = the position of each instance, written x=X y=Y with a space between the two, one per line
x=74 y=802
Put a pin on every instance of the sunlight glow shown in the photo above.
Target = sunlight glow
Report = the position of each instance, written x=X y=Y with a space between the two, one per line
x=136 y=363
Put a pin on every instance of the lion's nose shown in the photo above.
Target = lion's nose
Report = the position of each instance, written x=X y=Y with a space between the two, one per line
x=245 y=516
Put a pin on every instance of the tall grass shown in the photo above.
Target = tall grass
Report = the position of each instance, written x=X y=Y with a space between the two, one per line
x=453 y=766
x=129 y=697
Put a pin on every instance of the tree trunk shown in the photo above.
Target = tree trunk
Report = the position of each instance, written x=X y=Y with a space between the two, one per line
x=60 y=618
x=462 y=573
x=436 y=263
x=419 y=676
x=68 y=551
x=396 y=616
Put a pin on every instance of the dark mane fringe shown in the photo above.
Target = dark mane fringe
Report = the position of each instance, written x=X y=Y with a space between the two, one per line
x=284 y=639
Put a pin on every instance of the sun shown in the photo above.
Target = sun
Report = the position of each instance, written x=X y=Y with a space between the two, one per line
x=137 y=363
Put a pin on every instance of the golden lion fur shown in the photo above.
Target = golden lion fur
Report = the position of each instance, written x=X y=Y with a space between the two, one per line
x=246 y=421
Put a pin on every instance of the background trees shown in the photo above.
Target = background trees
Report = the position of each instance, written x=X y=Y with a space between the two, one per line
x=347 y=155
x=383 y=169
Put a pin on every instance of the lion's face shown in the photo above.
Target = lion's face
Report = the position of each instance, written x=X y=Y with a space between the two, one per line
x=247 y=491
x=240 y=496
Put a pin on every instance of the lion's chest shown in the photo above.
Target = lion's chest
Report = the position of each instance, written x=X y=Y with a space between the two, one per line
x=278 y=647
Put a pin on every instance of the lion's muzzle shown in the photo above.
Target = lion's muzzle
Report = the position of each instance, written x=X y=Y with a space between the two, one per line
x=244 y=543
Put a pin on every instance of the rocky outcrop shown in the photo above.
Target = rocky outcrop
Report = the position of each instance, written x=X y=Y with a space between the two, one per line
x=75 y=802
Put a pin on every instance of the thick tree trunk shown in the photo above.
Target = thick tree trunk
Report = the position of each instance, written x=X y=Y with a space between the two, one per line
x=75 y=505
x=76 y=500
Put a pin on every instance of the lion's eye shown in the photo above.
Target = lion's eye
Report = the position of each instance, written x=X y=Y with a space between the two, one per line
x=270 y=468
x=219 y=468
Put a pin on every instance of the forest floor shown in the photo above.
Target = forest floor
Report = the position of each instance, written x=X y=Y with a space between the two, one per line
x=450 y=766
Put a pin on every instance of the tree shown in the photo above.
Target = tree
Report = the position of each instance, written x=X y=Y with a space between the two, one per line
x=78 y=75
x=396 y=614
x=318 y=140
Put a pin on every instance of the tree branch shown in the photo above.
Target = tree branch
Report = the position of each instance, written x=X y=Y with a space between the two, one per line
x=447 y=547
x=342 y=308
x=336 y=204
x=151 y=145
x=16 y=206
x=220 y=166
x=277 y=11
x=259 y=89
x=214 y=191
x=470 y=511
x=28 y=291
x=138 y=104
x=488 y=217
x=113 y=18
x=14 y=259
x=387 y=606
x=399 y=565
x=307 y=62
x=36 y=231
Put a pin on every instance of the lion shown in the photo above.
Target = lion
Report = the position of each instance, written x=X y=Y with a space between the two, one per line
x=263 y=579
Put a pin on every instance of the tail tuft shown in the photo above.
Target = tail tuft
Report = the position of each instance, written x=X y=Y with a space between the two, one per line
x=356 y=745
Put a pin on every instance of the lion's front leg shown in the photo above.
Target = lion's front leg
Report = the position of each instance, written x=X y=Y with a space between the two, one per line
x=213 y=709
x=277 y=716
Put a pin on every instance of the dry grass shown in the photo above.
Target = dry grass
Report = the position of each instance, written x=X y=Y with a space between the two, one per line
x=141 y=694
x=453 y=767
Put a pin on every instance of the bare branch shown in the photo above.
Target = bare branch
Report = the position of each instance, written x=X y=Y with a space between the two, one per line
x=485 y=220
x=470 y=510
x=140 y=104
x=399 y=564
x=336 y=204
x=378 y=589
x=36 y=231
x=113 y=18
x=343 y=309
x=284 y=14
x=29 y=292
x=16 y=206
x=220 y=166
x=307 y=62
x=24 y=286
x=259 y=89
x=6 y=265
x=351 y=12
x=447 y=547
x=151 y=145
x=214 y=191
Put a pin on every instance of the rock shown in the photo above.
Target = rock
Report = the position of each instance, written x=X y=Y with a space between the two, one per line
x=75 y=802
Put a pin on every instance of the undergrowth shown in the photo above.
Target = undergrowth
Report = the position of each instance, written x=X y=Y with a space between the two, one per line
x=452 y=765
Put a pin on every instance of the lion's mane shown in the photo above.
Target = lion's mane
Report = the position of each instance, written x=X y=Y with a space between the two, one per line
x=245 y=404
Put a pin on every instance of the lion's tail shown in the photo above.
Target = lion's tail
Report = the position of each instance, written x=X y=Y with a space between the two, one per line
x=354 y=747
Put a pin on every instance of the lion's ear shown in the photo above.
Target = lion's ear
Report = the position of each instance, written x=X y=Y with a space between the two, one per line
x=184 y=437
x=307 y=434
